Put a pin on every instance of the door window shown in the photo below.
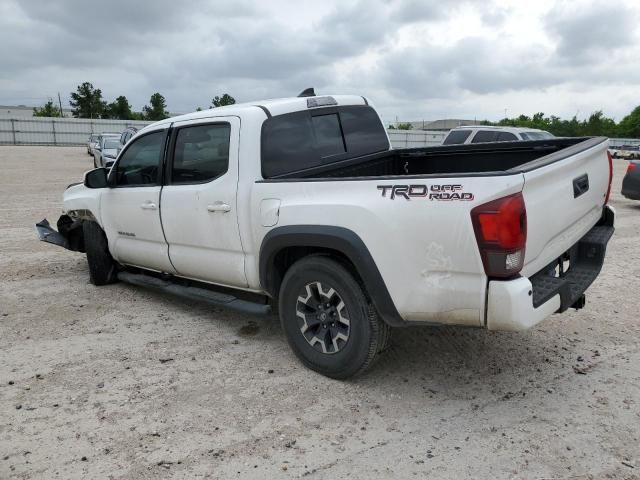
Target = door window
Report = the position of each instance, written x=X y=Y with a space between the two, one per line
x=201 y=153
x=139 y=165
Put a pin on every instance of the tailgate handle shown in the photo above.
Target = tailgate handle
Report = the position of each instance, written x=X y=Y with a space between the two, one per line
x=580 y=185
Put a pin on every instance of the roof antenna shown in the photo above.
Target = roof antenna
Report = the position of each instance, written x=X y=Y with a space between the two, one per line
x=309 y=92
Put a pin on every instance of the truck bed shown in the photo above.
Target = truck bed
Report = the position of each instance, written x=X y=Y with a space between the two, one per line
x=452 y=160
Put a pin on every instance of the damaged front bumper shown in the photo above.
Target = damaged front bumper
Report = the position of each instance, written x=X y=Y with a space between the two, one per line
x=49 y=235
x=69 y=234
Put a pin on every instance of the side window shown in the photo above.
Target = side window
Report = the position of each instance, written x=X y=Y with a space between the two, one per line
x=201 y=153
x=484 y=136
x=328 y=133
x=506 y=137
x=457 y=137
x=139 y=165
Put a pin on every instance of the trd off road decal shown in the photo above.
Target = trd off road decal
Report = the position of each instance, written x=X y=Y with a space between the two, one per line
x=433 y=192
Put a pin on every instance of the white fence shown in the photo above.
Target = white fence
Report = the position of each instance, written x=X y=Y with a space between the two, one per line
x=57 y=131
x=618 y=142
x=415 y=138
x=76 y=131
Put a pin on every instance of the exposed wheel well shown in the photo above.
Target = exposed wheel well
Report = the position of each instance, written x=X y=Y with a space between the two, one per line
x=283 y=246
x=287 y=256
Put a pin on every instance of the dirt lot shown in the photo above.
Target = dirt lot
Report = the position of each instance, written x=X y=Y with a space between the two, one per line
x=119 y=382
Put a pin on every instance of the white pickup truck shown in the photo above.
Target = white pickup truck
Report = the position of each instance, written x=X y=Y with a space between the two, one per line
x=300 y=205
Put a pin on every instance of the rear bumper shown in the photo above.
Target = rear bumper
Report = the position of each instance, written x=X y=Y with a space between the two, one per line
x=521 y=303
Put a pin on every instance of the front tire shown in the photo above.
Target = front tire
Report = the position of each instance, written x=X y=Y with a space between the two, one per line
x=328 y=321
x=103 y=269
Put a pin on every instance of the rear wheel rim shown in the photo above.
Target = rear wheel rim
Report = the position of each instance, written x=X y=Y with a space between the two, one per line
x=323 y=318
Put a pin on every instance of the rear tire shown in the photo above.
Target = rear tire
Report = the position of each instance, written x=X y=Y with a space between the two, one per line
x=103 y=269
x=328 y=321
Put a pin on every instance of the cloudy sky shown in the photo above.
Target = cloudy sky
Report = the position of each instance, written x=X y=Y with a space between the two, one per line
x=415 y=59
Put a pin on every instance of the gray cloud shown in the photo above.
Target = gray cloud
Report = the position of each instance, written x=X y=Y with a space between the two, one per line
x=380 y=48
x=586 y=32
x=470 y=65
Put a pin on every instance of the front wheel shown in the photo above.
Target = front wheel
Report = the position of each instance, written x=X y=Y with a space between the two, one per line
x=103 y=269
x=328 y=321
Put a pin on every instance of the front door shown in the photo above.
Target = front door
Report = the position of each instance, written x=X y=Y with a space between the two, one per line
x=130 y=209
x=199 y=211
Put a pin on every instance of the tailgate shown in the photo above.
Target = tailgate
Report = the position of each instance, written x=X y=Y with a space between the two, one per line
x=564 y=194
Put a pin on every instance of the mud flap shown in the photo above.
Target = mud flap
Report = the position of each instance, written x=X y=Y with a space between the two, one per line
x=49 y=235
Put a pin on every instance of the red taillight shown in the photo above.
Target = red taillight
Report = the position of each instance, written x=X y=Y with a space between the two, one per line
x=501 y=232
x=606 y=199
x=631 y=167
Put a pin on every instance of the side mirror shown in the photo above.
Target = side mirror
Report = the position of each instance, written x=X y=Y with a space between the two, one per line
x=96 y=178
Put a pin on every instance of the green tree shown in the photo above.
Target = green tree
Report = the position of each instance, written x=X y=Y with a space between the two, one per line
x=629 y=126
x=48 y=110
x=86 y=101
x=404 y=126
x=225 y=99
x=119 y=109
x=156 y=110
x=597 y=124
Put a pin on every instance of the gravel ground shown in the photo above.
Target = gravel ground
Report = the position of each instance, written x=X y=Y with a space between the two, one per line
x=119 y=382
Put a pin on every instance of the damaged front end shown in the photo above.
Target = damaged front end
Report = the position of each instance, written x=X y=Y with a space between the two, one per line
x=69 y=234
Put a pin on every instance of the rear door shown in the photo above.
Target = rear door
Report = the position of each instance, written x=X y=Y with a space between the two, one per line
x=199 y=209
x=564 y=194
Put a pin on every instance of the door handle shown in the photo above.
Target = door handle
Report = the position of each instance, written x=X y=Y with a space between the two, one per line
x=149 y=206
x=219 y=207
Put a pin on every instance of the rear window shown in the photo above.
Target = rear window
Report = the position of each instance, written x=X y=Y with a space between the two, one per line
x=329 y=138
x=456 y=137
x=111 y=144
x=313 y=138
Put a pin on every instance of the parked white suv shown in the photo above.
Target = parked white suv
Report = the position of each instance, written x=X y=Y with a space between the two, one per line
x=300 y=205
x=487 y=134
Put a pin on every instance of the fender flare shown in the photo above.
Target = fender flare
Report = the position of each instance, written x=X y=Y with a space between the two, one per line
x=339 y=239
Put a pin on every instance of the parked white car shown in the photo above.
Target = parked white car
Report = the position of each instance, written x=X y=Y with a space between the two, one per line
x=487 y=134
x=299 y=204
x=91 y=143
x=106 y=150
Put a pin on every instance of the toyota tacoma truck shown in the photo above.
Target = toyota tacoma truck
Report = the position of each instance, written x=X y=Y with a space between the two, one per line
x=301 y=207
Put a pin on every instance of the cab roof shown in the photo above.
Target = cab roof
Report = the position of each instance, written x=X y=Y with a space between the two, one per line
x=271 y=107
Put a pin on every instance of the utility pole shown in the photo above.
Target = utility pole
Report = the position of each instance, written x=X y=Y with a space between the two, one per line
x=60 y=103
